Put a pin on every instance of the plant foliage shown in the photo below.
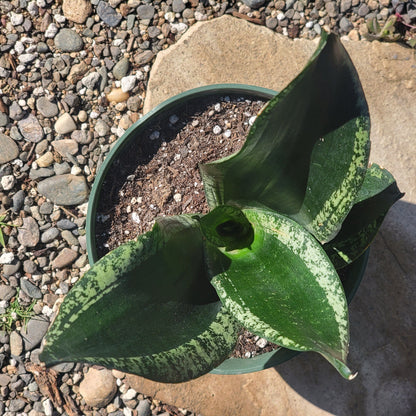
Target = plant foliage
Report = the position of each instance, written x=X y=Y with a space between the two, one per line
x=294 y=205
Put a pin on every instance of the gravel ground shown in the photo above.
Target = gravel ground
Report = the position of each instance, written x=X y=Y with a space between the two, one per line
x=73 y=77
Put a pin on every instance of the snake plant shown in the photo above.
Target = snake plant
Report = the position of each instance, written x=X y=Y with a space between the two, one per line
x=296 y=204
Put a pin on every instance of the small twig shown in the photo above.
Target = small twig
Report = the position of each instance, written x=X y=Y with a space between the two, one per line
x=250 y=19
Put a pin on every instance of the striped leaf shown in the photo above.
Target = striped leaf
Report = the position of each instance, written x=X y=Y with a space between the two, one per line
x=377 y=194
x=272 y=168
x=146 y=308
x=284 y=288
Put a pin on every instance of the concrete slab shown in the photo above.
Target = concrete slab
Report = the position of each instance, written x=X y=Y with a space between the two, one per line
x=383 y=313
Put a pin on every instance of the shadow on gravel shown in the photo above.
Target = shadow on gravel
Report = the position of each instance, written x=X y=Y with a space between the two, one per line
x=383 y=333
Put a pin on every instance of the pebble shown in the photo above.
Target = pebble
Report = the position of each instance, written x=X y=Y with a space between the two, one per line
x=30 y=129
x=98 y=387
x=34 y=332
x=145 y=11
x=65 y=146
x=65 y=124
x=15 y=111
x=4 y=119
x=7 y=182
x=90 y=81
x=143 y=408
x=102 y=128
x=16 y=344
x=121 y=68
x=64 y=258
x=108 y=15
x=30 y=289
x=46 y=107
x=64 y=189
x=67 y=40
x=117 y=95
x=45 y=160
x=76 y=10
x=6 y=258
x=49 y=235
x=18 y=200
x=128 y=83
x=28 y=234
x=66 y=224
x=6 y=292
x=254 y=4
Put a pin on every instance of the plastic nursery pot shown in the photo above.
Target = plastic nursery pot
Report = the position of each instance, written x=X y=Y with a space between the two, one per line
x=352 y=274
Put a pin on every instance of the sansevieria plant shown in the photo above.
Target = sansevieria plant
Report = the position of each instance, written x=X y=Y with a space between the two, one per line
x=297 y=203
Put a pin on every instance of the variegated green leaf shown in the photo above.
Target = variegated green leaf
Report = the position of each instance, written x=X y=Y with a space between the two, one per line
x=338 y=166
x=272 y=168
x=146 y=308
x=284 y=288
x=377 y=194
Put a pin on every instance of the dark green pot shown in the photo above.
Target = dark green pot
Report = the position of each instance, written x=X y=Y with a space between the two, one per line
x=353 y=273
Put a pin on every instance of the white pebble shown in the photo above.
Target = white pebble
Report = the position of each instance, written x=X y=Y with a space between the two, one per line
x=261 y=342
x=309 y=25
x=6 y=258
x=177 y=197
x=19 y=47
x=16 y=19
x=135 y=217
x=140 y=75
x=47 y=407
x=7 y=182
x=75 y=170
x=20 y=68
x=33 y=9
x=59 y=18
x=130 y=394
x=227 y=133
x=280 y=16
x=41 y=3
x=217 y=107
x=252 y=120
x=47 y=311
x=178 y=28
x=51 y=31
x=170 y=17
x=217 y=129
x=128 y=83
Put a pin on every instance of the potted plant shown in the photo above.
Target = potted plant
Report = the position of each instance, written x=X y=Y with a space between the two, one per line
x=294 y=206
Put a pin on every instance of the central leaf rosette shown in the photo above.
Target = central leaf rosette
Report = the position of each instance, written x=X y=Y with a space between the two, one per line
x=281 y=285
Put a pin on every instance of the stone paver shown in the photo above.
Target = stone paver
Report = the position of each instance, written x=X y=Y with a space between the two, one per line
x=383 y=312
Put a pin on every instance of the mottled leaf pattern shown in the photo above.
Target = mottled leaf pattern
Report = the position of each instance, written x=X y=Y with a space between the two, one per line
x=147 y=308
x=284 y=288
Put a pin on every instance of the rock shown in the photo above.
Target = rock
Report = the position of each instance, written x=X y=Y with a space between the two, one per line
x=18 y=200
x=67 y=40
x=98 y=387
x=7 y=182
x=331 y=8
x=81 y=136
x=15 y=111
x=6 y=292
x=143 y=58
x=77 y=71
x=65 y=124
x=51 y=31
x=66 y=224
x=64 y=258
x=121 y=68
x=28 y=233
x=11 y=269
x=145 y=11
x=49 y=235
x=76 y=10
x=345 y=25
x=128 y=83
x=63 y=367
x=64 y=189
x=117 y=95
x=4 y=379
x=107 y=14
x=7 y=258
x=102 y=128
x=46 y=108
x=31 y=129
x=133 y=103
x=29 y=267
x=45 y=160
x=4 y=119
x=16 y=344
x=40 y=173
x=143 y=408
x=178 y=6
x=90 y=81
x=254 y=4
x=30 y=289
x=35 y=331
x=363 y=10
x=65 y=146
x=16 y=405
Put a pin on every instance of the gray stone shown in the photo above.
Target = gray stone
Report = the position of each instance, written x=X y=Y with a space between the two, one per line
x=66 y=224
x=67 y=40
x=49 y=235
x=107 y=14
x=4 y=379
x=62 y=168
x=30 y=289
x=143 y=408
x=363 y=10
x=46 y=107
x=65 y=147
x=18 y=199
x=40 y=173
x=35 y=330
x=9 y=149
x=6 y=292
x=345 y=5
x=121 y=68
x=331 y=8
x=15 y=111
x=31 y=129
x=65 y=258
x=4 y=119
x=65 y=124
x=16 y=405
x=103 y=78
x=81 y=136
x=345 y=25
x=254 y=4
x=133 y=103
x=145 y=11
x=144 y=57
x=13 y=268
x=29 y=266
x=102 y=128
x=64 y=189
x=16 y=344
x=63 y=367
x=28 y=233
x=178 y=6
x=69 y=238
x=90 y=81
x=46 y=208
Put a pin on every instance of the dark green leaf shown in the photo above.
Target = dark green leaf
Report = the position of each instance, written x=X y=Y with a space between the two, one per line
x=284 y=288
x=378 y=193
x=146 y=308
x=272 y=167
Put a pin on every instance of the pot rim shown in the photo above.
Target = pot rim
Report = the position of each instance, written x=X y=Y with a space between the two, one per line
x=230 y=365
